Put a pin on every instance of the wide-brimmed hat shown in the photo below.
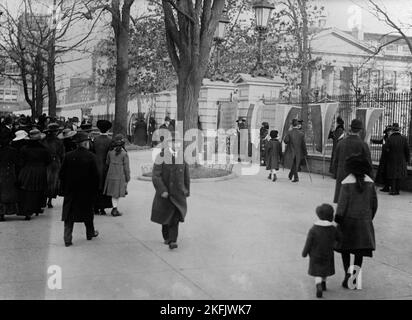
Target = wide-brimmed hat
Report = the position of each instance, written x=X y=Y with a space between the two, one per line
x=356 y=124
x=20 y=135
x=81 y=136
x=103 y=125
x=52 y=127
x=395 y=127
x=35 y=134
x=75 y=119
x=358 y=164
x=325 y=212
x=67 y=133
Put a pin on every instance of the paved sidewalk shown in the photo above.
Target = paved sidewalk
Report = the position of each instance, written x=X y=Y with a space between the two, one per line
x=242 y=240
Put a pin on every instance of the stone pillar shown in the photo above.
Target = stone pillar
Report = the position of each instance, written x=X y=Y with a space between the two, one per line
x=336 y=80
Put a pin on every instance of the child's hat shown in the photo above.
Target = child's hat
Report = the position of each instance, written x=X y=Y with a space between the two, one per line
x=325 y=212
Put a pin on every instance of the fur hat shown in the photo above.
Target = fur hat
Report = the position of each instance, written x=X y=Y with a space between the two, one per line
x=356 y=125
x=274 y=134
x=325 y=212
x=103 y=125
x=357 y=164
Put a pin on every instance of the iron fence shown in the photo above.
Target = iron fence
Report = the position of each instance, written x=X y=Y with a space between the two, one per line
x=397 y=108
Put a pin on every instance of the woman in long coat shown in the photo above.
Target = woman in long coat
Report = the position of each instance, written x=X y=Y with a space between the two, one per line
x=273 y=154
x=101 y=147
x=140 y=132
x=381 y=173
x=56 y=149
x=9 y=163
x=33 y=175
x=118 y=174
x=356 y=209
x=336 y=136
x=398 y=156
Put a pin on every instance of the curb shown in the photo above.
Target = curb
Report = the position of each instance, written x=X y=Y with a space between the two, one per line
x=201 y=180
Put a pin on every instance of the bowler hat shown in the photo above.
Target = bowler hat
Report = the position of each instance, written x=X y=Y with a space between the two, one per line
x=81 y=136
x=35 y=134
x=356 y=124
x=103 y=125
x=358 y=164
x=395 y=127
x=325 y=212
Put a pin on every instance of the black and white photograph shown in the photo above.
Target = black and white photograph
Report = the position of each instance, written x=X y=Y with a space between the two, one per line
x=223 y=151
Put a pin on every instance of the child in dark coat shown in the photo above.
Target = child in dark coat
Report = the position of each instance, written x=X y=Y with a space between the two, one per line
x=319 y=246
x=273 y=154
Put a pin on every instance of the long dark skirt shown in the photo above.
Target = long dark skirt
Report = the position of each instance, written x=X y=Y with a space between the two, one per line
x=358 y=252
x=8 y=209
x=31 y=202
x=53 y=181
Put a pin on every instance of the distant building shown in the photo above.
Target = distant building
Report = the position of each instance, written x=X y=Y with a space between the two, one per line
x=351 y=60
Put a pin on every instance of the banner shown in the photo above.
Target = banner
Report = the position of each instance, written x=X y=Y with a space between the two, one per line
x=369 y=117
x=328 y=113
x=227 y=115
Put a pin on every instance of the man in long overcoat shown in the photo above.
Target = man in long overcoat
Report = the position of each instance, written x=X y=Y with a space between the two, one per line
x=351 y=144
x=171 y=180
x=101 y=146
x=80 y=181
x=397 y=158
x=295 y=150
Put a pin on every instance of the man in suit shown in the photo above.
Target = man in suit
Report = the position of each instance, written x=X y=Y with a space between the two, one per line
x=397 y=158
x=295 y=150
x=6 y=128
x=351 y=144
x=80 y=183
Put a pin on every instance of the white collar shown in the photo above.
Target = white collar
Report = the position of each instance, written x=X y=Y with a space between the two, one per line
x=351 y=179
x=323 y=223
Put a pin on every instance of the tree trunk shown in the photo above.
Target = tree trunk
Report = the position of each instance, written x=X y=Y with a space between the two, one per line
x=305 y=66
x=188 y=89
x=51 y=77
x=122 y=86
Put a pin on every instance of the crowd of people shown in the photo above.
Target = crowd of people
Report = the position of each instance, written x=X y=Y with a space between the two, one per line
x=46 y=158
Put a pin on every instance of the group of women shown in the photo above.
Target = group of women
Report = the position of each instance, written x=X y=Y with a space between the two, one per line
x=30 y=162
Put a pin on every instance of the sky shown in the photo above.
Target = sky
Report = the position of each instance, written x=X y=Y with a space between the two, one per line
x=342 y=14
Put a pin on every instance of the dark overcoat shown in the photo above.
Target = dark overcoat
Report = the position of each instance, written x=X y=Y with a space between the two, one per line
x=397 y=156
x=35 y=159
x=80 y=182
x=173 y=178
x=69 y=145
x=295 y=147
x=319 y=246
x=336 y=136
x=9 y=163
x=140 y=133
x=273 y=156
x=352 y=144
x=381 y=172
x=101 y=147
x=354 y=215
x=56 y=149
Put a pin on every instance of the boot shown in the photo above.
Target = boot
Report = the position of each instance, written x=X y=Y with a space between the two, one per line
x=115 y=212
x=319 y=290
x=102 y=212
x=172 y=245
x=2 y=218
x=270 y=176
x=274 y=178
x=324 y=285
x=385 y=189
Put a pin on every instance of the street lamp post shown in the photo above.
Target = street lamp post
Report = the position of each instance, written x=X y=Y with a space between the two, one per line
x=218 y=38
x=263 y=10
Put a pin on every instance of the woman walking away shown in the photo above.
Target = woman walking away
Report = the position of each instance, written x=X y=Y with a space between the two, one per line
x=356 y=209
x=118 y=174
x=273 y=155
x=33 y=175
x=9 y=162
x=56 y=149
x=319 y=246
